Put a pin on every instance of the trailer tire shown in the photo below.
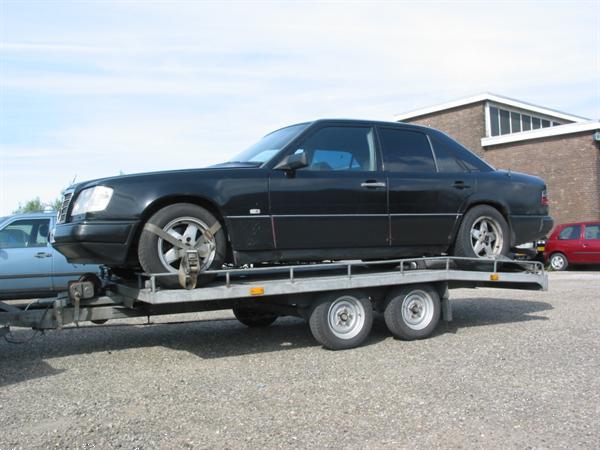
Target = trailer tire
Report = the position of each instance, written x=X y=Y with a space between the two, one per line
x=182 y=218
x=341 y=320
x=412 y=311
x=253 y=318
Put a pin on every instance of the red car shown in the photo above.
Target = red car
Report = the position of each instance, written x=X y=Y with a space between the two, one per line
x=573 y=243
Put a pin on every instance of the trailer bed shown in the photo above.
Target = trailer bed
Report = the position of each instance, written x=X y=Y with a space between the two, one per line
x=277 y=291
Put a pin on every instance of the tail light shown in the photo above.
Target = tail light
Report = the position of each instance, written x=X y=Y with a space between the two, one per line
x=545 y=200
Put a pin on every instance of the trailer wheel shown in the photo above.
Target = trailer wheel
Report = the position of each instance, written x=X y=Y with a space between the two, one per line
x=412 y=312
x=341 y=320
x=252 y=317
x=99 y=321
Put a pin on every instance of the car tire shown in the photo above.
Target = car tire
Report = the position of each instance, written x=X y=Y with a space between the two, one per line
x=483 y=233
x=189 y=222
x=341 y=320
x=412 y=312
x=558 y=262
x=253 y=318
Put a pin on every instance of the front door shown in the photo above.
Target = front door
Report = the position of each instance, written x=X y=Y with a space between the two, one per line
x=25 y=257
x=339 y=201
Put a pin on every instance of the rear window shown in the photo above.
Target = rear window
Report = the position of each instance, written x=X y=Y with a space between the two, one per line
x=406 y=151
x=570 y=233
x=451 y=151
x=592 y=231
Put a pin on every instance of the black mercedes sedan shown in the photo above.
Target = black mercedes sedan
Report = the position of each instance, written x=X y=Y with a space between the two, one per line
x=322 y=190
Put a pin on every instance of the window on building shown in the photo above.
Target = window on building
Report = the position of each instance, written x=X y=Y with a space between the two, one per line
x=505 y=121
x=494 y=121
x=515 y=122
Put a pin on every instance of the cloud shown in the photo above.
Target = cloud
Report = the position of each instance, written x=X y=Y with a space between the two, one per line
x=95 y=88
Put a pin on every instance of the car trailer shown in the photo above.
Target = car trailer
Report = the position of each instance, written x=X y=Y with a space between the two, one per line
x=336 y=299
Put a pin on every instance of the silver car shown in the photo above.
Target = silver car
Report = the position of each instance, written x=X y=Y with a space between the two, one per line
x=29 y=266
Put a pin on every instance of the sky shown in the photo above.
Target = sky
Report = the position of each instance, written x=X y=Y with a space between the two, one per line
x=90 y=89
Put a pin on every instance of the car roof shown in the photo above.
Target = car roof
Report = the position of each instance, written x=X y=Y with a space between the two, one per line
x=370 y=122
x=588 y=222
x=34 y=215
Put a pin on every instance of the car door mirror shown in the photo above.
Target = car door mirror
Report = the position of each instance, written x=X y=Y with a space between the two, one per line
x=293 y=162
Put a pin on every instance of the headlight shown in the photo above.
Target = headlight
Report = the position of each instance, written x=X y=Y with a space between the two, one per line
x=92 y=200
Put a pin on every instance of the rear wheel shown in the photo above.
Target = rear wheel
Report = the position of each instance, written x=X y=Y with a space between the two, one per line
x=483 y=233
x=341 y=320
x=412 y=312
x=558 y=262
x=189 y=224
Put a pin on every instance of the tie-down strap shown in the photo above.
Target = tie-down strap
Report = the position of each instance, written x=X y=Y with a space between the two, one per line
x=189 y=267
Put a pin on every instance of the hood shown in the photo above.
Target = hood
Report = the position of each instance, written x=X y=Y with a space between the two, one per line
x=146 y=176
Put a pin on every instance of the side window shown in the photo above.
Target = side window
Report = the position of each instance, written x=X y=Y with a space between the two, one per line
x=570 y=233
x=468 y=159
x=25 y=233
x=341 y=148
x=447 y=160
x=592 y=232
x=406 y=151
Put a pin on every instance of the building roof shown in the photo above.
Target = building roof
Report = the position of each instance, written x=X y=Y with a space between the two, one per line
x=569 y=128
x=488 y=96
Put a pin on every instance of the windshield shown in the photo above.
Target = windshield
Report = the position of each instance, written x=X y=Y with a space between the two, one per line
x=269 y=145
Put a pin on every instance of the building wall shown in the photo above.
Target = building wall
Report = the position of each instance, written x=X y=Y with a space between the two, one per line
x=570 y=164
x=466 y=124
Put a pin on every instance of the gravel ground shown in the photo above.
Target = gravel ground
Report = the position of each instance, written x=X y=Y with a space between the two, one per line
x=514 y=369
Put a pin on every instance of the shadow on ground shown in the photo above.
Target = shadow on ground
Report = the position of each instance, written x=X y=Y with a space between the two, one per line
x=223 y=338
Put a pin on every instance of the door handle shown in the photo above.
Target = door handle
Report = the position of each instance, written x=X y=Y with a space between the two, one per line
x=460 y=185
x=373 y=184
x=43 y=255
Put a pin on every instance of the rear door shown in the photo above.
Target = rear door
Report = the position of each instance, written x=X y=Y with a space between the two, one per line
x=590 y=245
x=25 y=256
x=340 y=200
x=424 y=203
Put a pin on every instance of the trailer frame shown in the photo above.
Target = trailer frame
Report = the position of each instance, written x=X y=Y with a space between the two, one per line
x=269 y=291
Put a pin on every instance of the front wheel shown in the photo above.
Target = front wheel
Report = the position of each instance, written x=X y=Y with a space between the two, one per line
x=483 y=233
x=189 y=224
x=559 y=262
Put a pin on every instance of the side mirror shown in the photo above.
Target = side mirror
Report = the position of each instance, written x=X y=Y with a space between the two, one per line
x=293 y=162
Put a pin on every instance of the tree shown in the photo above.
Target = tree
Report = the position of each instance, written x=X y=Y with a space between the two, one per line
x=36 y=205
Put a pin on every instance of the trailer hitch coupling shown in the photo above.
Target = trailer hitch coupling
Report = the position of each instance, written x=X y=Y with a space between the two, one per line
x=81 y=290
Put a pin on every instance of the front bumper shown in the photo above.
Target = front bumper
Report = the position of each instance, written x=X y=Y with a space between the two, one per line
x=529 y=228
x=94 y=242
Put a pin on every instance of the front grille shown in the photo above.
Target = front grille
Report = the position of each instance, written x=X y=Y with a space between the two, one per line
x=64 y=207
